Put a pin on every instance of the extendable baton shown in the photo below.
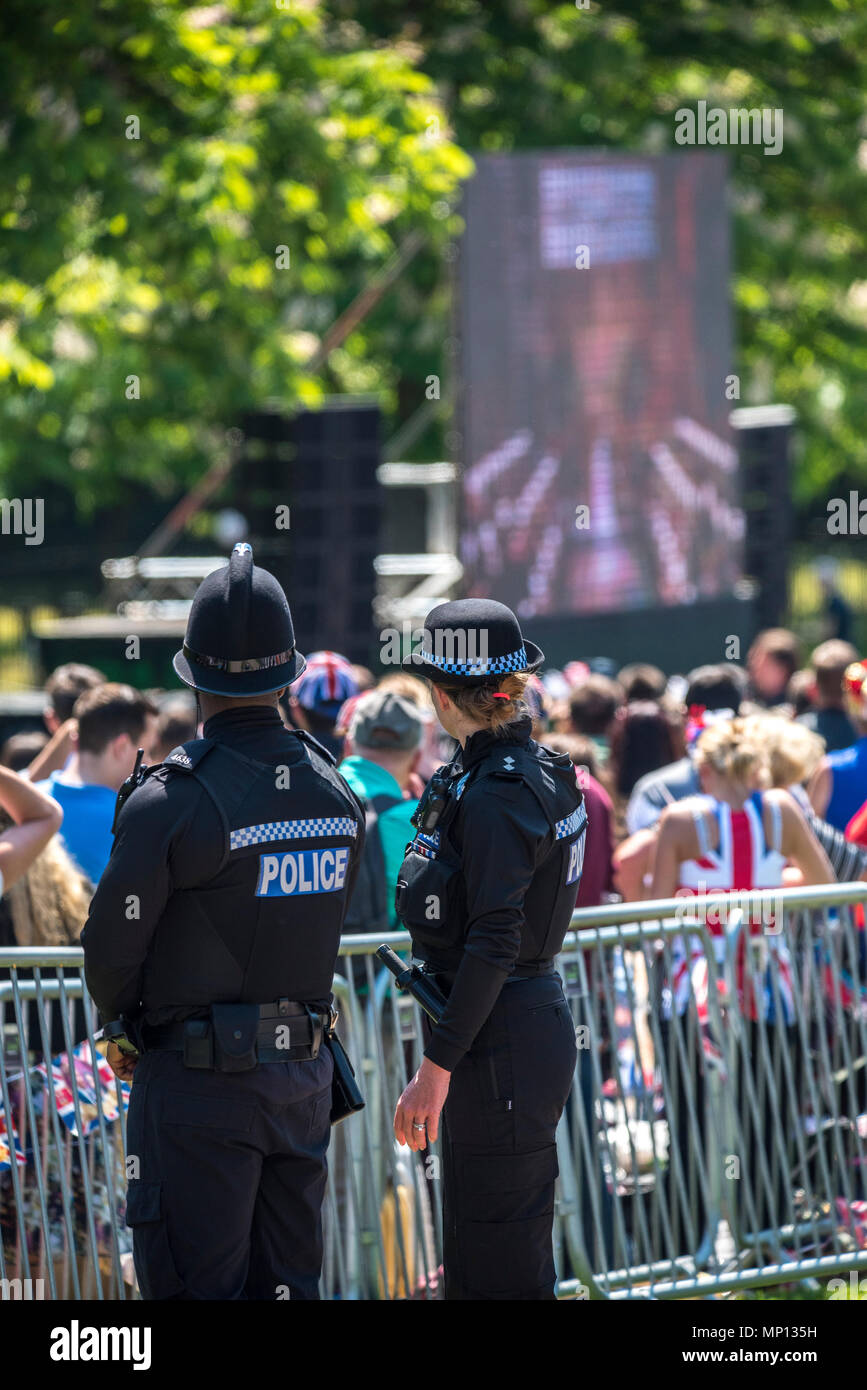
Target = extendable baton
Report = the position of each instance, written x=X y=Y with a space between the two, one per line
x=414 y=982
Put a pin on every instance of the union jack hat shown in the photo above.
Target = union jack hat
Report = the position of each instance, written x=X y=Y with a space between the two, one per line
x=326 y=684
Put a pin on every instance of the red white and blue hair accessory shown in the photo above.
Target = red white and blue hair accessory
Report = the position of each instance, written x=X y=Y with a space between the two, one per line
x=699 y=718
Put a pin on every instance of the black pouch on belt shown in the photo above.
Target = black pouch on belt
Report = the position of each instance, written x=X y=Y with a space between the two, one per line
x=235 y=1027
x=199 y=1044
x=346 y=1097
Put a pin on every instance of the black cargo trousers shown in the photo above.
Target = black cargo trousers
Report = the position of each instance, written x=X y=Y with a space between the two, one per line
x=227 y=1175
x=505 y=1100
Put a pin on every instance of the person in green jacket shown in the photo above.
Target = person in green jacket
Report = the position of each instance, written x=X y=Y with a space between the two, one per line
x=384 y=746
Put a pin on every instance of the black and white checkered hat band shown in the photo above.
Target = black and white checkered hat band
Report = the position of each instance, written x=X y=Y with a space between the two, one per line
x=482 y=666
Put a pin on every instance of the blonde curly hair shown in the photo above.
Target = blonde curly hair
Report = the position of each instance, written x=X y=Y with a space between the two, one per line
x=736 y=750
x=49 y=904
x=793 y=751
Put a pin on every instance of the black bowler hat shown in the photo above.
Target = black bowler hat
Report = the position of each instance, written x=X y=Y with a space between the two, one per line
x=472 y=641
x=240 y=639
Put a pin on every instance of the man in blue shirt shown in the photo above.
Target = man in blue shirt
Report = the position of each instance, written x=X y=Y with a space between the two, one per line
x=838 y=787
x=113 y=722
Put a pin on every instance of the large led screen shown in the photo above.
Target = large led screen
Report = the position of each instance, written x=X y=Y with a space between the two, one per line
x=595 y=383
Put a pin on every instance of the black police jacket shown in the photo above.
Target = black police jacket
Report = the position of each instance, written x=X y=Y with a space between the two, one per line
x=493 y=885
x=228 y=880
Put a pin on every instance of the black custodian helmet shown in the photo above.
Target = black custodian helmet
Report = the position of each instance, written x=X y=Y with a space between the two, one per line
x=240 y=639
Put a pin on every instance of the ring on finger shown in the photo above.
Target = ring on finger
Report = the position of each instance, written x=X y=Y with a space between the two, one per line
x=416 y=1126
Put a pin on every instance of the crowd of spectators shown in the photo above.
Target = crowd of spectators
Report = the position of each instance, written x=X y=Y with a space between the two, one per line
x=634 y=735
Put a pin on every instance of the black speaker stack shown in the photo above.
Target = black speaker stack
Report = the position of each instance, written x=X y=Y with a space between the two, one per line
x=316 y=470
x=764 y=440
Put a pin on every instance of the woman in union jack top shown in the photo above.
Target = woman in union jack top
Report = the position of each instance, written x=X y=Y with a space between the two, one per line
x=737 y=837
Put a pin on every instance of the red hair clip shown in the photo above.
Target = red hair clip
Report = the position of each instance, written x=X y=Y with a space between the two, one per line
x=500 y=695
x=695 y=722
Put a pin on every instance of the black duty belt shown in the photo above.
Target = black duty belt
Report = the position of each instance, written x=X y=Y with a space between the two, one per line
x=525 y=970
x=286 y=1031
x=533 y=970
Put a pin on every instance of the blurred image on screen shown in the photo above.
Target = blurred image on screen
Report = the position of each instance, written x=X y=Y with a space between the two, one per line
x=599 y=470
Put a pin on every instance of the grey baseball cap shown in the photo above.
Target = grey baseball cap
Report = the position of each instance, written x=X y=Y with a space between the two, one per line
x=384 y=719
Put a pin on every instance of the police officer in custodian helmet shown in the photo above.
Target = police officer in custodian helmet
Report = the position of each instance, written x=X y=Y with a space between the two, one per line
x=213 y=935
x=487 y=890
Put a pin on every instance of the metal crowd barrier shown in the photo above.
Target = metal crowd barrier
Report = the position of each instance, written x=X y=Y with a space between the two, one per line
x=716 y=1135
x=715 y=1138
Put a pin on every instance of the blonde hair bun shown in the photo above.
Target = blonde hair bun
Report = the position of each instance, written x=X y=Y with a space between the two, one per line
x=735 y=750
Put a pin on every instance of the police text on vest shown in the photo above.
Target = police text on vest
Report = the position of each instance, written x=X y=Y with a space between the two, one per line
x=576 y=860
x=301 y=871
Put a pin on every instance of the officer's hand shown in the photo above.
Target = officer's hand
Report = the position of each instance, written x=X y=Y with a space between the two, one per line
x=421 y=1103
x=121 y=1064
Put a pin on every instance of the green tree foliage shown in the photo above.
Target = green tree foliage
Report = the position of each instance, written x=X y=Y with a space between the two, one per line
x=521 y=74
x=334 y=129
x=189 y=198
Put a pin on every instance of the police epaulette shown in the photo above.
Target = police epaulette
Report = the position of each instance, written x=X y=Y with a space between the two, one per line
x=314 y=743
x=187 y=755
x=184 y=757
x=507 y=761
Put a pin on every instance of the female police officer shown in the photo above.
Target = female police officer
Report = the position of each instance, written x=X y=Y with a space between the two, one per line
x=486 y=890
